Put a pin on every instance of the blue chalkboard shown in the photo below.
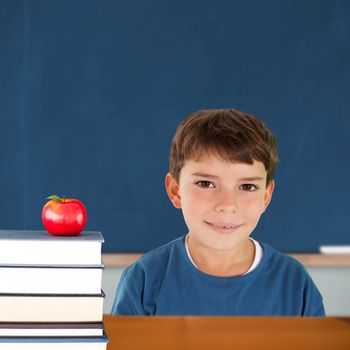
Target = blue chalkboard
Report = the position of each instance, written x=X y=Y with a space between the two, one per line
x=92 y=92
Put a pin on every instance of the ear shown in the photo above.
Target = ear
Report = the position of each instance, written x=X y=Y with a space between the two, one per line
x=268 y=194
x=172 y=189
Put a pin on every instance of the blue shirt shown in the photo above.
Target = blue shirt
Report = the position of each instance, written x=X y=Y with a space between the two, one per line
x=165 y=282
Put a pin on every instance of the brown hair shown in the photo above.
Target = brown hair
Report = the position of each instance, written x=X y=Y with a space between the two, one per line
x=233 y=135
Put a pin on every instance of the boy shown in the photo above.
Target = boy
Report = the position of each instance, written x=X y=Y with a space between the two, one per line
x=222 y=165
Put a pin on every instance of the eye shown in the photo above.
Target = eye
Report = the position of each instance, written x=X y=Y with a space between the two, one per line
x=205 y=184
x=249 y=187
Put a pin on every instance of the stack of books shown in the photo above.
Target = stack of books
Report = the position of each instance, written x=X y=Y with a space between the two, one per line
x=50 y=291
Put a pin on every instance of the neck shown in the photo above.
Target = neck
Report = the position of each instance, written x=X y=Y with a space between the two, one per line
x=222 y=263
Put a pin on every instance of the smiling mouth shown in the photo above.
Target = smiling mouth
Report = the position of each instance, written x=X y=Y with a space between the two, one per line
x=223 y=227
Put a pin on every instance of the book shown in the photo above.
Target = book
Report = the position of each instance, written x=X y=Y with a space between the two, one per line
x=54 y=343
x=46 y=279
x=41 y=248
x=335 y=249
x=51 y=307
x=51 y=329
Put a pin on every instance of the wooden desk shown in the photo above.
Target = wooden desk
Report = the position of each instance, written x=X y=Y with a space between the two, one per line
x=220 y=333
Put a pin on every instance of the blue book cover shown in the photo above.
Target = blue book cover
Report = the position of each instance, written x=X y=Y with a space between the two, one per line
x=31 y=235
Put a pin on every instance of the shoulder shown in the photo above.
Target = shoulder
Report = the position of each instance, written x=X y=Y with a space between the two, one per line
x=139 y=282
x=290 y=277
x=283 y=265
x=275 y=257
x=156 y=259
x=288 y=271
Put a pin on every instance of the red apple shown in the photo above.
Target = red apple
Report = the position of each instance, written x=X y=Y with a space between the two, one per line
x=64 y=216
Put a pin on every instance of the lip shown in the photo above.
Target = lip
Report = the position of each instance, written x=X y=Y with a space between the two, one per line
x=223 y=227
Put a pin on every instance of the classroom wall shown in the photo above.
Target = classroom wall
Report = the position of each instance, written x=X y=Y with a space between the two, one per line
x=333 y=283
x=91 y=93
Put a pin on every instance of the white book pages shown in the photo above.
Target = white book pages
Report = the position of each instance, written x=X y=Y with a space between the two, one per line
x=51 y=308
x=41 y=248
x=50 y=280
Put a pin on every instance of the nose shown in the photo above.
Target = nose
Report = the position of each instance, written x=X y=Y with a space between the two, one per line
x=226 y=203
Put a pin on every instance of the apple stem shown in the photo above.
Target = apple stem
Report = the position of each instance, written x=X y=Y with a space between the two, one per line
x=55 y=198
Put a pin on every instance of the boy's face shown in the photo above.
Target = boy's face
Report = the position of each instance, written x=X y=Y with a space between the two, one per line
x=221 y=201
